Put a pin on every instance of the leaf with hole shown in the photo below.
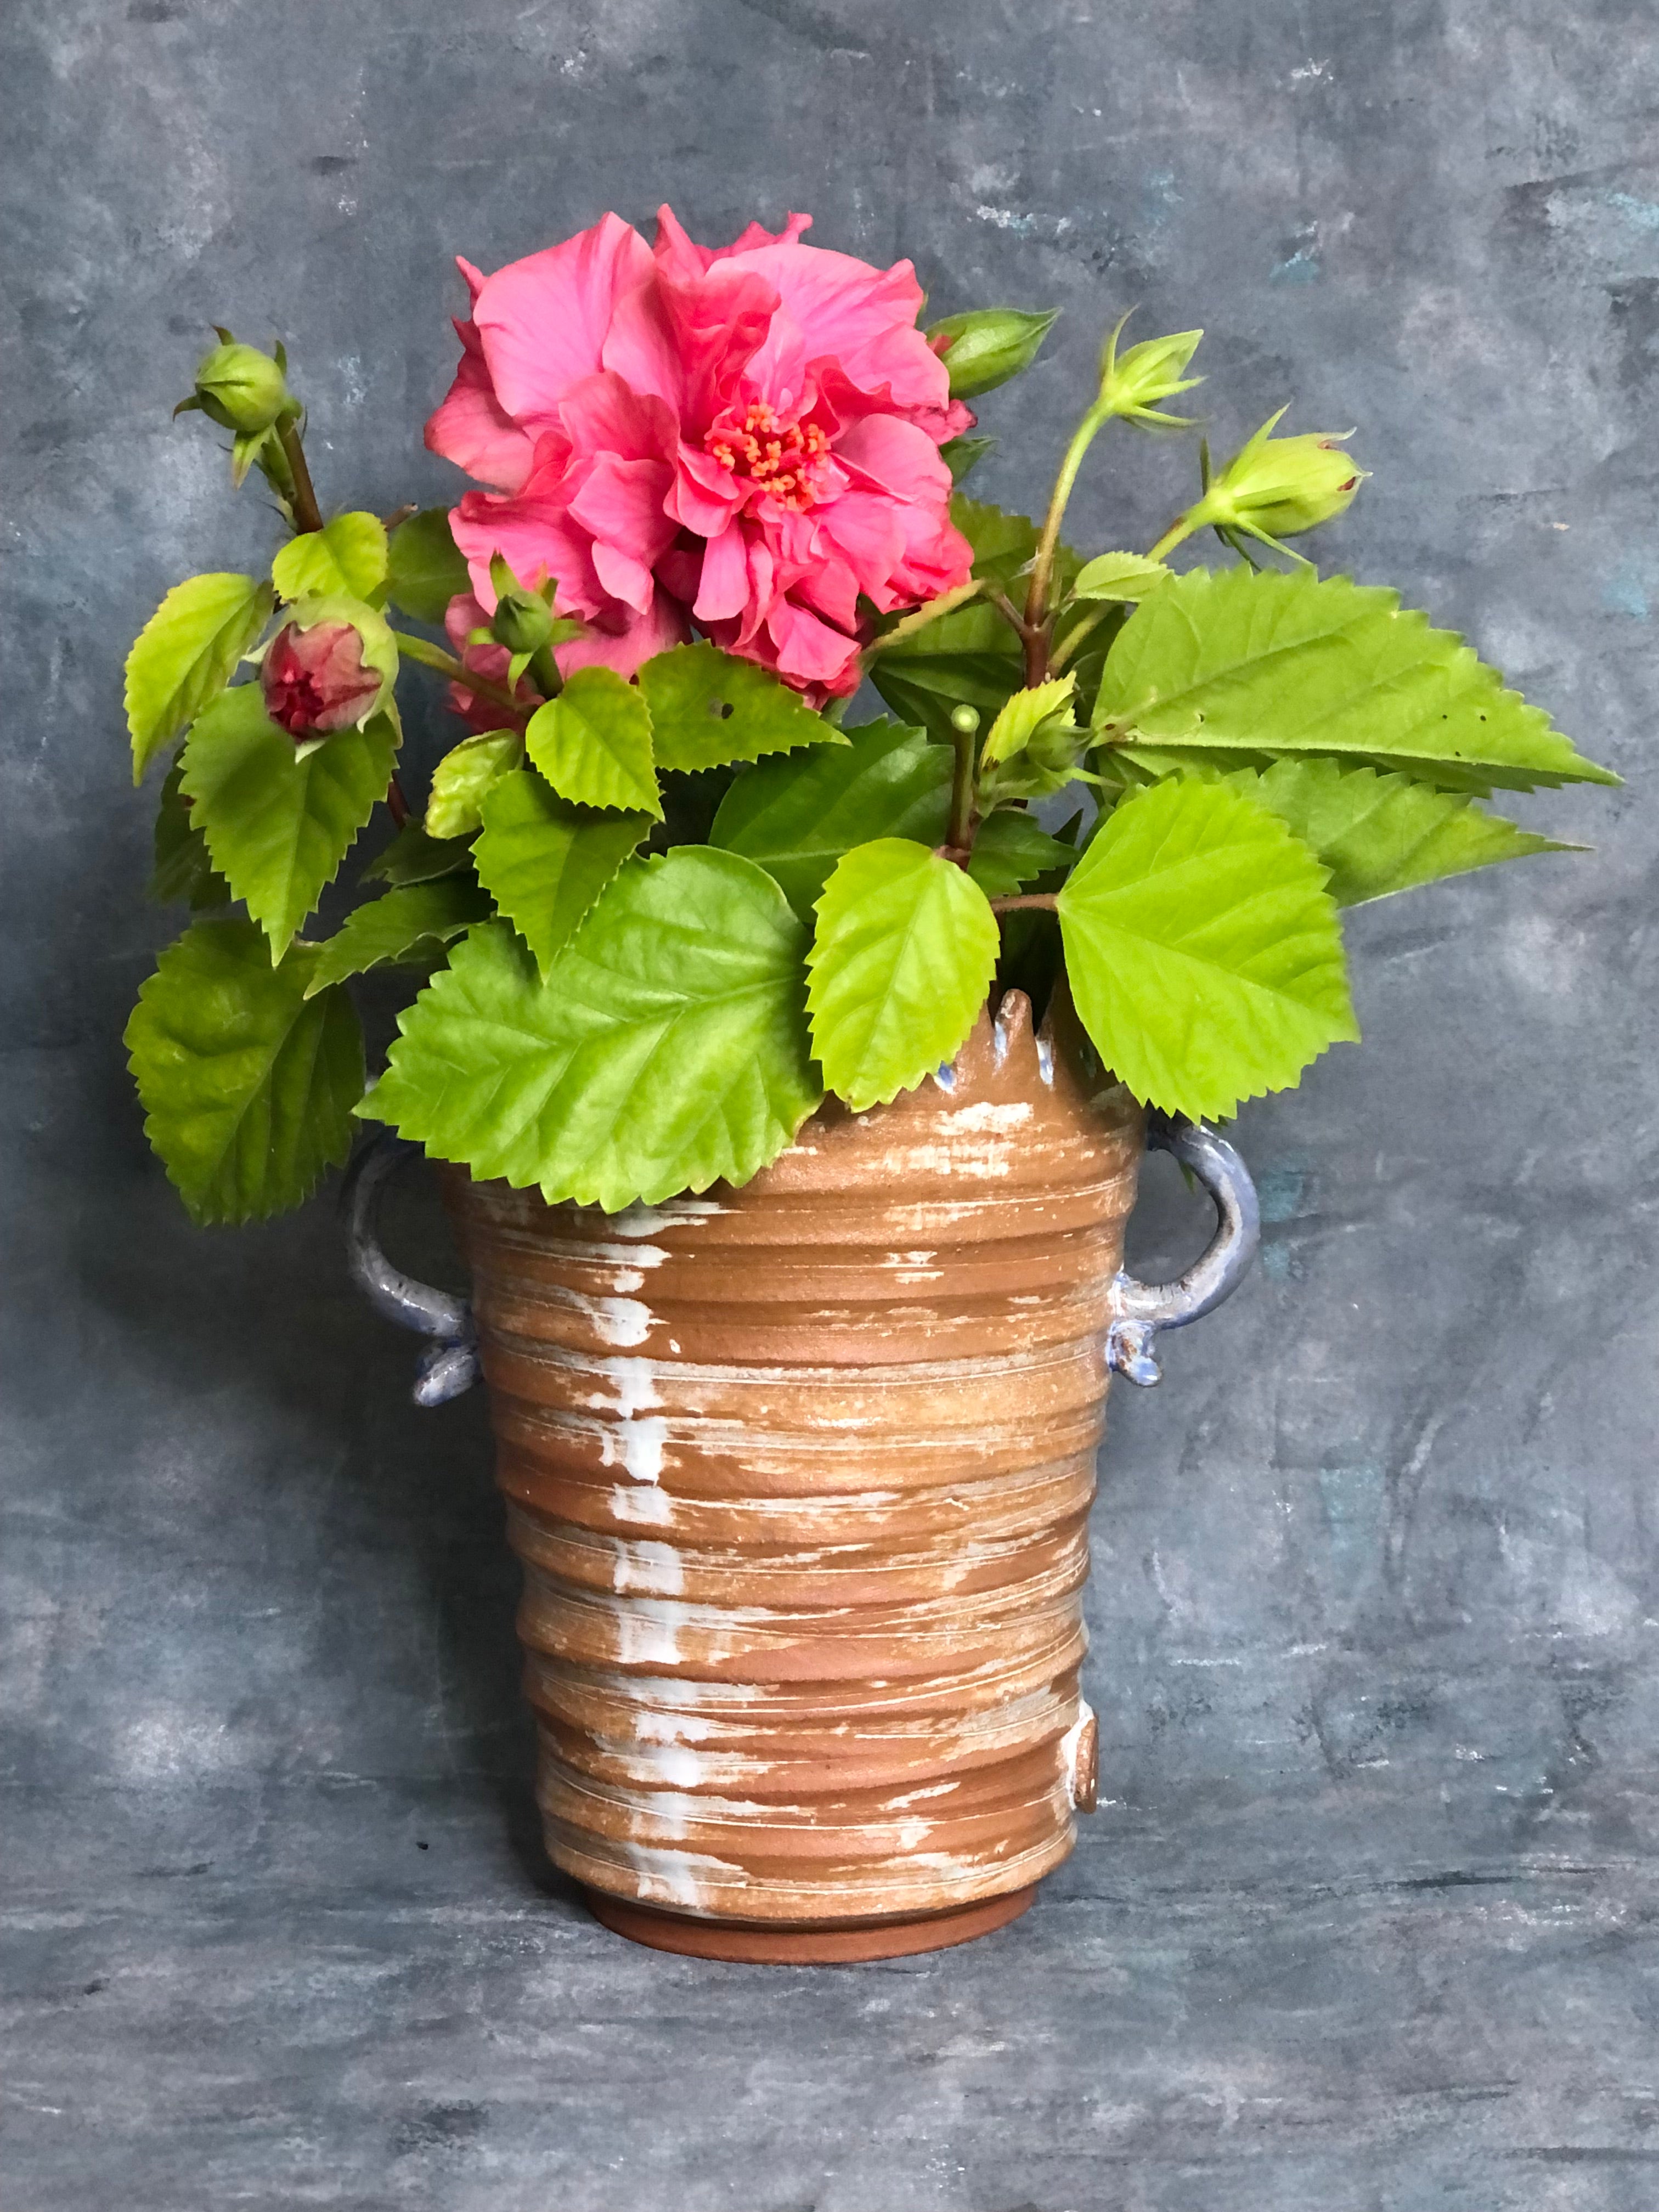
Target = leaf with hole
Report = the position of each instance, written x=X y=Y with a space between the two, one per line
x=593 y=744
x=1203 y=951
x=905 y=950
x=1237 y=668
x=545 y=862
x=187 y=652
x=796 y=817
x=708 y=708
x=279 y=824
x=667 y=1051
x=347 y=557
x=248 y=1084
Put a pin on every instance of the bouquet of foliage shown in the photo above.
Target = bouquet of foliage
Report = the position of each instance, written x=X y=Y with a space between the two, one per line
x=660 y=899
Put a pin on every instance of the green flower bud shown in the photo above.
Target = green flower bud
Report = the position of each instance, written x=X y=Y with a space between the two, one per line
x=1133 y=386
x=986 y=347
x=1275 y=488
x=523 y=621
x=241 y=389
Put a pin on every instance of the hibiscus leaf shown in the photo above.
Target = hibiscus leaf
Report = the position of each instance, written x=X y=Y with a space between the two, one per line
x=347 y=556
x=1229 y=665
x=279 y=824
x=412 y=857
x=414 y=918
x=1119 y=576
x=186 y=652
x=667 y=1051
x=1012 y=848
x=593 y=744
x=545 y=862
x=1381 y=834
x=708 y=708
x=462 y=777
x=903 y=957
x=424 y=567
x=183 y=867
x=1203 y=951
x=248 y=1084
x=796 y=818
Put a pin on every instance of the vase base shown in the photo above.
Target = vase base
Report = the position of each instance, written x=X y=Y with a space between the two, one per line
x=837 y=1943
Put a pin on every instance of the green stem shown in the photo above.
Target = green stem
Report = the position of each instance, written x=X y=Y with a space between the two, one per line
x=1063 y=652
x=1044 y=901
x=961 y=835
x=307 y=515
x=1036 y=599
x=1181 y=527
x=433 y=656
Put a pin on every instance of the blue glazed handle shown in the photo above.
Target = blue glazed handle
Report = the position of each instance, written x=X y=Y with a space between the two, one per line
x=449 y=1365
x=1140 y=1309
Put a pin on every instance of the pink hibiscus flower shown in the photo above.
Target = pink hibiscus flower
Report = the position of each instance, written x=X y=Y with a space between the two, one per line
x=746 y=438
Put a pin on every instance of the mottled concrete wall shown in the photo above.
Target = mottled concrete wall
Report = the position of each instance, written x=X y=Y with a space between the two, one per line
x=1366 y=1921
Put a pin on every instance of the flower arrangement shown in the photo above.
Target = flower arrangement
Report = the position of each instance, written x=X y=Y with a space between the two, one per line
x=660 y=900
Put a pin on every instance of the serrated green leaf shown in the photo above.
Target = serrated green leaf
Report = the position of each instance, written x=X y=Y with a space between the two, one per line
x=905 y=950
x=963 y=455
x=1128 y=576
x=348 y=556
x=708 y=708
x=399 y=922
x=1004 y=545
x=462 y=777
x=412 y=857
x=247 y=1085
x=1227 y=666
x=183 y=867
x=593 y=744
x=424 y=567
x=186 y=652
x=1204 y=952
x=278 y=824
x=796 y=817
x=545 y=862
x=1024 y=717
x=1010 y=849
x=1381 y=834
x=667 y=1051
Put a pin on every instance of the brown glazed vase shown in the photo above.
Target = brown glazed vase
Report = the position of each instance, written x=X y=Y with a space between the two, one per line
x=799 y=1474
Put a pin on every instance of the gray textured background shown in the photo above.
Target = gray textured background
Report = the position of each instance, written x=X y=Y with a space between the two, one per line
x=1367 y=1923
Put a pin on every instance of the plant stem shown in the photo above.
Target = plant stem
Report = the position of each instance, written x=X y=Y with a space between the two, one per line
x=307 y=515
x=1181 y=527
x=1044 y=902
x=1058 y=659
x=433 y=656
x=960 y=833
x=1036 y=599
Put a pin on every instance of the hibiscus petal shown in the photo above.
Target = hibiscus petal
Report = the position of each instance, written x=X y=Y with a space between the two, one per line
x=864 y=318
x=543 y=321
x=601 y=414
x=895 y=455
x=808 y=650
x=724 y=584
x=469 y=427
x=658 y=625
x=621 y=504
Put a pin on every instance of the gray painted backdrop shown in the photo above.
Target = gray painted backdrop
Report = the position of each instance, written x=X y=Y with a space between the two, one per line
x=1367 y=1920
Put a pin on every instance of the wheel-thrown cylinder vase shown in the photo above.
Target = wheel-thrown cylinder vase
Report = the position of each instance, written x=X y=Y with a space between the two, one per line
x=799 y=1474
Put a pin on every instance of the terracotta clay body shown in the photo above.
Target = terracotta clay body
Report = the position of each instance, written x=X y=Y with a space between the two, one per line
x=799 y=1474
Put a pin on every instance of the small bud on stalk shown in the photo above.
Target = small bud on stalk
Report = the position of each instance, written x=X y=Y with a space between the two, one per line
x=1276 y=488
x=240 y=389
x=984 y=349
x=1133 y=387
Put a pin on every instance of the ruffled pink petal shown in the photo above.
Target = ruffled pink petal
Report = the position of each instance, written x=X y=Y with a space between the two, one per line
x=471 y=428
x=542 y=321
x=621 y=504
x=867 y=529
x=659 y=625
x=896 y=456
x=808 y=651
x=679 y=255
x=601 y=414
x=863 y=318
x=534 y=534
x=723 y=583
x=704 y=498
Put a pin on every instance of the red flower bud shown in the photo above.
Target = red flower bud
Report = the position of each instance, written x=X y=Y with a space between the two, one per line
x=315 y=680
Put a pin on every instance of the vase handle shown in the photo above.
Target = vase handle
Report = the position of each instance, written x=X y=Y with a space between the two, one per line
x=449 y=1365
x=1140 y=1309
